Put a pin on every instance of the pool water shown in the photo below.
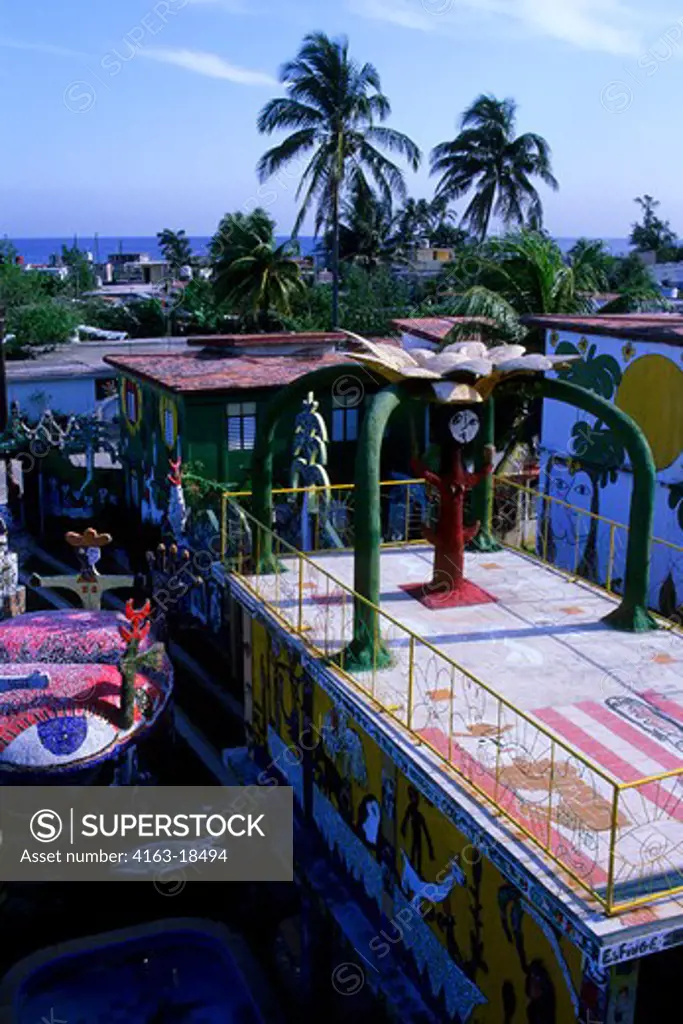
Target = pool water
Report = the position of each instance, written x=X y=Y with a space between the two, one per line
x=177 y=978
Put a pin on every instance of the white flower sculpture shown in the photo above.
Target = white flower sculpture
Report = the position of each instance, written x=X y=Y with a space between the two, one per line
x=466 y=371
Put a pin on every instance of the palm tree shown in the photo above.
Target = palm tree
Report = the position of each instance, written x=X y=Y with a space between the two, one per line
x=420 y=219
x=261 y=280
x=366 y=229
x=521 y=274
x=487 y=157
x=176 y=249
x=335 y=108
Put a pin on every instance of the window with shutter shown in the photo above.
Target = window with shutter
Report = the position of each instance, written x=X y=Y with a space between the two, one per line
x=241 y=426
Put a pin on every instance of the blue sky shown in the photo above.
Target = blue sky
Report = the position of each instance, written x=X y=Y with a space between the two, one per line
x=126 y=117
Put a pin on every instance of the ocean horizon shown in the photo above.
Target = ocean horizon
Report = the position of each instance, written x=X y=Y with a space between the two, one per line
x=39 y=250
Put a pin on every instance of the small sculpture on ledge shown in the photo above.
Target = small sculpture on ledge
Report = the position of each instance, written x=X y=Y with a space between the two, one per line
x=134 y=633
x=88 y=584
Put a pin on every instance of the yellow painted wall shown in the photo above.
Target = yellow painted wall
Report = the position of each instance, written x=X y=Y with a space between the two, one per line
x=489 y=957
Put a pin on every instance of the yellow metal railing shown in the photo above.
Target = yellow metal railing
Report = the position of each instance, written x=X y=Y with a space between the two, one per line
x=404 y=504
x=523 y=518
x=590 y=825
x=517 y=523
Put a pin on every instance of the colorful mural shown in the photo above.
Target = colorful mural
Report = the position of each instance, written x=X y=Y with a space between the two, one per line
x=61 y=694
x=476 y=946
x=583 y=464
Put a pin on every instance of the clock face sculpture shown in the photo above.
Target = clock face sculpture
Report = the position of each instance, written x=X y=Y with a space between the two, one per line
x=464 y=426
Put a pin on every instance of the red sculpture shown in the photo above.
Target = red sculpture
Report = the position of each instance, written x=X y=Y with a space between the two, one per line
x=448 y=587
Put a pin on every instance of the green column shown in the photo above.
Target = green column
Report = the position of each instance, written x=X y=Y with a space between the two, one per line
x=632 y=615
x=482 y=495
x=367 y=649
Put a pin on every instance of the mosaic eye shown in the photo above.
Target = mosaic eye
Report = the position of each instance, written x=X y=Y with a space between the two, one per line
x=59 y=741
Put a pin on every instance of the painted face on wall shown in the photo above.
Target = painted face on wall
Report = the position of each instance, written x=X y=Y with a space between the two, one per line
x=569 y=530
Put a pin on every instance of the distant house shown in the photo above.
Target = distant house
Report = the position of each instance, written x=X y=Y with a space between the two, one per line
x=205 y=406
x=73 y=378
x=137 y=267
x=636 y=361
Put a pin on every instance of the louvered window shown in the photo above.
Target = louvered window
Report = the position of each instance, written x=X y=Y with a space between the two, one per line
x=241 y=426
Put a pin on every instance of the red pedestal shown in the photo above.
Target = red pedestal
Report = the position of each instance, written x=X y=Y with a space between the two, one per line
x=434 y=597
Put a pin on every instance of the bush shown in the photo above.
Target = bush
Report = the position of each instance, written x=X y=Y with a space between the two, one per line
x=39 y=324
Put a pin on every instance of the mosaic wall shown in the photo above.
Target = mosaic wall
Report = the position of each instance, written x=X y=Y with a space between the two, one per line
x=475 y=947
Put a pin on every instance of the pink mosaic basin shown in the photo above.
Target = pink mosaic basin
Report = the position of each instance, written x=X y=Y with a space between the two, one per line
x=60 y=692
x=62 y=636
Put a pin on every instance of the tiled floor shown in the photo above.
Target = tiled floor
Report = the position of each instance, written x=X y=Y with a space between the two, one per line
x=613 y=698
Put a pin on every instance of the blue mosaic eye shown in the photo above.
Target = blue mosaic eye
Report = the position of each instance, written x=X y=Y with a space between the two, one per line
x=59 y=742
x=63 y=736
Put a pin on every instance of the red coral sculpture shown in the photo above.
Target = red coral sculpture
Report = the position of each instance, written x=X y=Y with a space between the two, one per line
x=174 y=476
x=140 y=627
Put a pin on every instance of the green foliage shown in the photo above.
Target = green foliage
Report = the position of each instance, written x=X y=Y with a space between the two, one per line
x=200 y=312
x=365 y=234
x=50 y=323
x=176 y=249
x=488 y=158
x=638 y=291
x=334 y=109
x=81 y=274
x=251 y=274
x=653 y=234
x=237 y=235
x=520 y=274
x=422 y=219
x=370 y=301
x=312 y=310
x=20 y=287
x=143 y=318
x=593 y=264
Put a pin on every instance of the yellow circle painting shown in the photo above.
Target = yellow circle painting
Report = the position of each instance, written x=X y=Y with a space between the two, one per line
x=651 y=392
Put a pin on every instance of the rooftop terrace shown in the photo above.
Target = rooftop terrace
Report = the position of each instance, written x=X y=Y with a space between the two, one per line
x=570 y=730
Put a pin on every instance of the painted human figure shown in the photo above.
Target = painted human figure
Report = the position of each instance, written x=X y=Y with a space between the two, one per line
x=452 y=483
x=414 y=818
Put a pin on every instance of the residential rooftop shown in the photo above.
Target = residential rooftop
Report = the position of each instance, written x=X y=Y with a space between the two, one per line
x=243 y=341
x=663 y=327
x=86 y=358
x=198 y=372
x=436 y=328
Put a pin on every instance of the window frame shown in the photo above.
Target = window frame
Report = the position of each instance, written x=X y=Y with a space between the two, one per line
x=244 y=415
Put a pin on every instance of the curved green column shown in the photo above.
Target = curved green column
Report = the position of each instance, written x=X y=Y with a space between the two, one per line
x=367 y=649
x=262 y=461
x=632 y=614
x=482 y=495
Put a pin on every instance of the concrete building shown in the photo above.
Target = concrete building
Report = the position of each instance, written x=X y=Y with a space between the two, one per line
x=74 y=378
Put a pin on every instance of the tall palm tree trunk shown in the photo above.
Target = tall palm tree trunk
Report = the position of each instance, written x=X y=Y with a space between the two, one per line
x=335 y=255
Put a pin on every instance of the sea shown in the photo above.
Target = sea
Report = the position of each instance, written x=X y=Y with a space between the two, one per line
x=39 y=250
